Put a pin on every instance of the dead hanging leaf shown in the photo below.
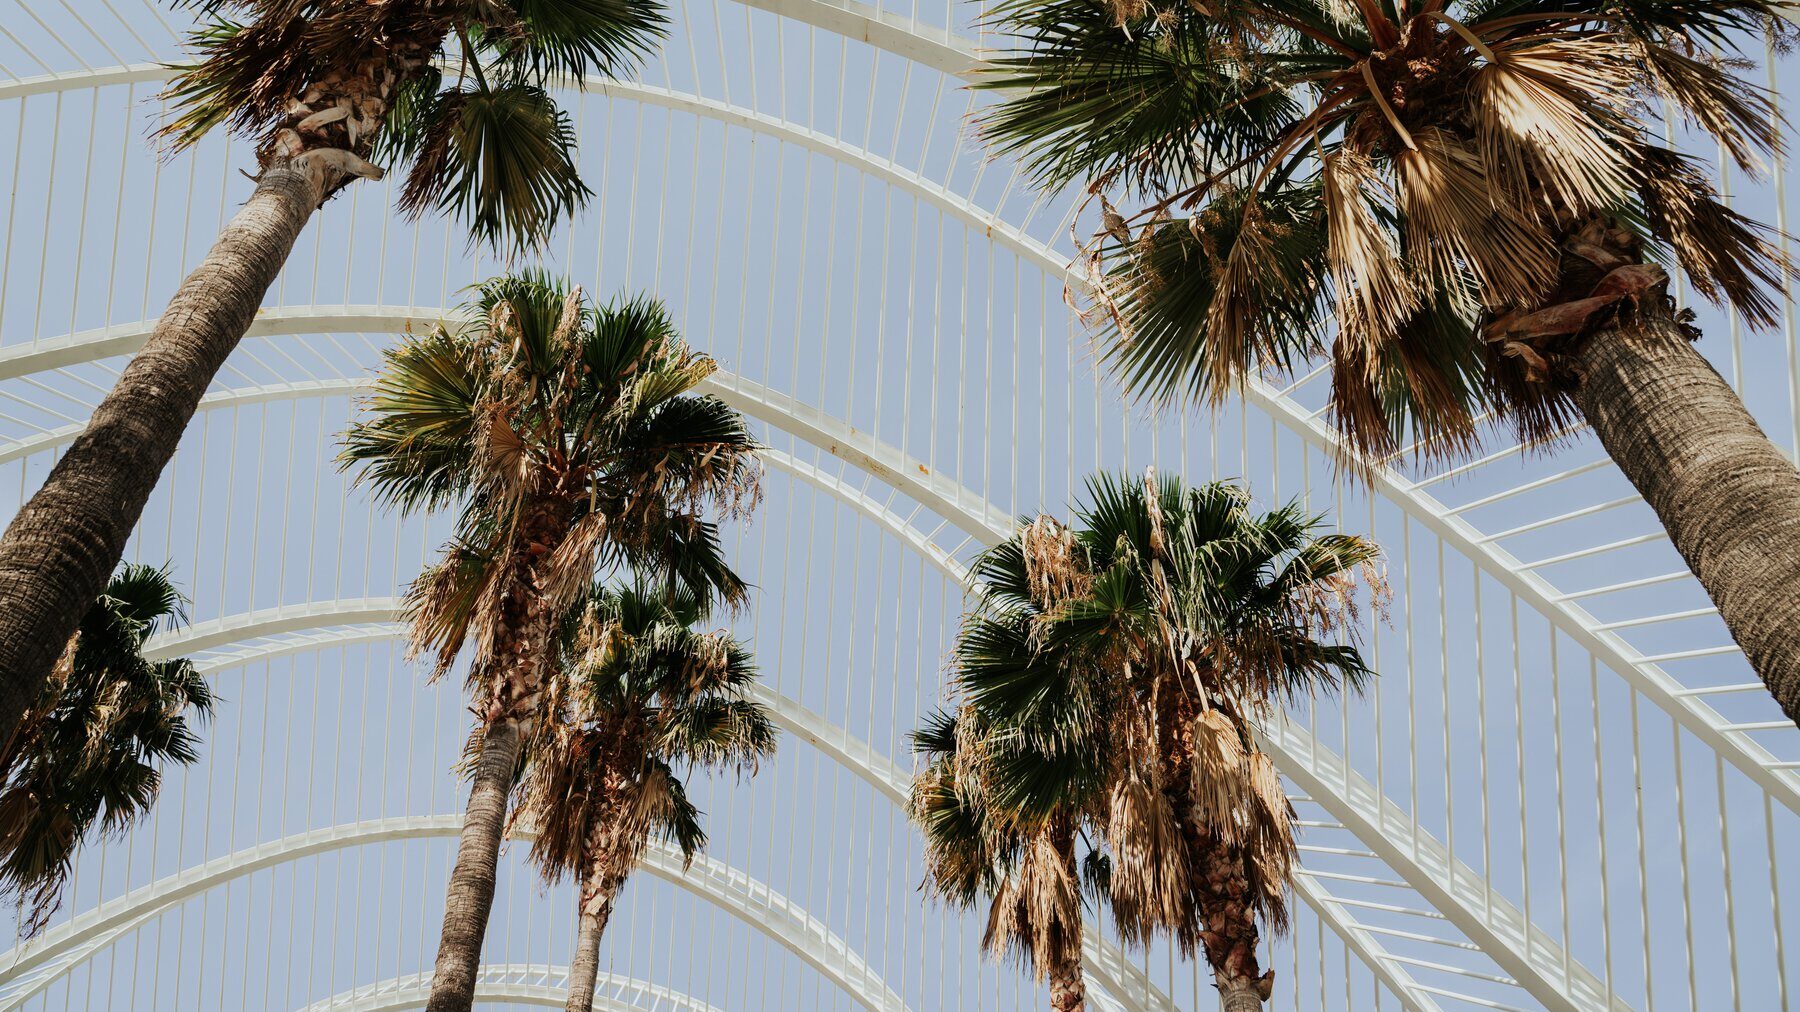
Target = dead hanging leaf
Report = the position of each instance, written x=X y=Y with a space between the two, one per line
x=1376 y=293
x=1038 y=908
x=1554 y=116
x=1150 y=884
x=1217 y=783
x=1055 y=570
x=1246 y=278
x=1459 y=223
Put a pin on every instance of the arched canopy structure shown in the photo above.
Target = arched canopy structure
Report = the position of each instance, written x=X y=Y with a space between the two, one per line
x=1565 y=790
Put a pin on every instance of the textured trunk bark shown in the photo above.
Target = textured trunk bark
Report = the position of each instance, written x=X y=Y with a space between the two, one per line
x=1728 y=497
x=1068 y=991
x=584 y=968
x=471 y=893
x=58 y=553
x=1240 y=996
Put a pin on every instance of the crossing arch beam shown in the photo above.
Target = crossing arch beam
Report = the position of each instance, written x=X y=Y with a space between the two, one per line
x=33 y=965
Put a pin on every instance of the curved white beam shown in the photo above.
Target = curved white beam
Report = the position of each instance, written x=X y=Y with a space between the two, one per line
x=912 y=477
x=516 y=984
x=944 y=496
x=1105 y=962
x=953 y=54
x=33 y=965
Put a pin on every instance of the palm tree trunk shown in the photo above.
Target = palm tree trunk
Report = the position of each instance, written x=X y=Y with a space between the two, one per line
x=1240 y=996
x=471 y=894
x=597 y=899
x=1068 y=990
x=58 y=553
x=1728 y=497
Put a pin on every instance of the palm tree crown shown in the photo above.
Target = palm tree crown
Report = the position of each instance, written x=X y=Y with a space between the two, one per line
x=569 y=437
x=1110 y=676
x=358 y=81
x=641 y=693
x=1455 y=185
x=89 y=753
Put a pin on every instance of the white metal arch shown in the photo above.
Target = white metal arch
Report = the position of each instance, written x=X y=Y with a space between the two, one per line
x=954 y=56
x=33 y=965
x=518 y=984
x=1533 y=958
x=910 y=476
x=1106 y=962
x=1699 y=719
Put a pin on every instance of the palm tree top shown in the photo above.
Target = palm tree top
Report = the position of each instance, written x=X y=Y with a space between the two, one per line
x=460 y=86
x=89 y=753
x=548 y=410
x=1246 y=596
x=642 y=695
x=1396 y=186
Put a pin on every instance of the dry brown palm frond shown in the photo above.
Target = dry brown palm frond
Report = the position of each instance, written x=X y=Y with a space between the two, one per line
x=1738 y=114
x=1556 y=113
x=1272 y=850
x=1054 y=567
x=1037 y=910
x=442 y=605
x=499 y=454
x=1459 y=224
x=1216 y=784
x=563 y=574
x=1244 y=280
x=648 y=801
x=1376 y=291
x=1729 y=258
x=1150 y=886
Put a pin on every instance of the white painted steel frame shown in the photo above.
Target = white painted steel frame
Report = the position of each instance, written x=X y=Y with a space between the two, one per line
x=937 y=48
x=517 y=984
x=35 y=964
x=1490 y=922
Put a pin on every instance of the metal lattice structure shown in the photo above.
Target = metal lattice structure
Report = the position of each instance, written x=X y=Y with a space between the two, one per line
x=1566 y=789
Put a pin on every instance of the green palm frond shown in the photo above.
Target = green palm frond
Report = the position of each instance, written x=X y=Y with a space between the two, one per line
x=88 y=755
x=501 y=160
x=493 y=150
x=416 y=448
x=578 y=38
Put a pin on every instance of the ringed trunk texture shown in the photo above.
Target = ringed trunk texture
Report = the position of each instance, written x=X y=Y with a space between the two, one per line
x=471 y=893
x=59 y=551
x=584 y=969
x=514 y=698
x=1240 y=996
x=1068 y=991
x=1729 y=499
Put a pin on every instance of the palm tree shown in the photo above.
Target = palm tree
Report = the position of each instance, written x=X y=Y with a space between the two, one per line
x=1470 y=192
x=323 y=87
x=641 y=693
x=1001 y=820
x=1120 y=664
x=89 y=752
x=568 y=438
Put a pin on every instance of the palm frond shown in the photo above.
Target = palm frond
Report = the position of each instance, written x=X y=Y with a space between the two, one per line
x=499 y=159
x=578 y=38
